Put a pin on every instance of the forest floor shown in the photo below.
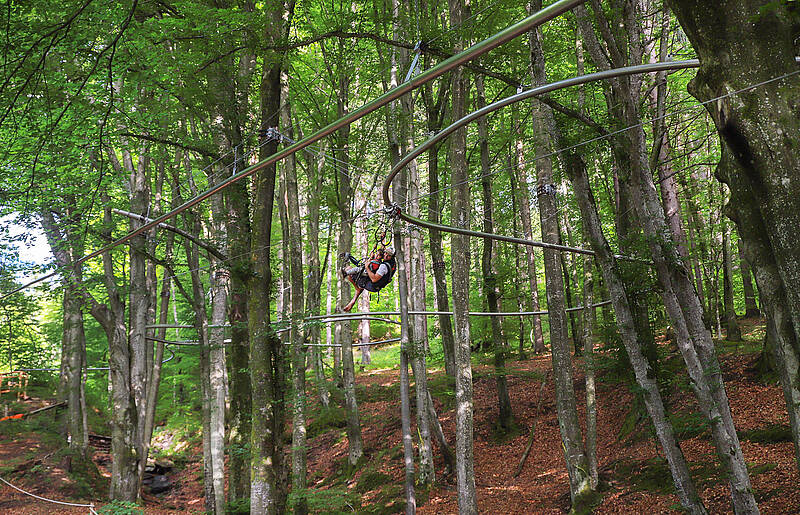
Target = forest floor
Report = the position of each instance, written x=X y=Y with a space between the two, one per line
x=635 y=479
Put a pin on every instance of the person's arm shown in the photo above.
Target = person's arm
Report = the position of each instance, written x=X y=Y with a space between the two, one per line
x=374 y=276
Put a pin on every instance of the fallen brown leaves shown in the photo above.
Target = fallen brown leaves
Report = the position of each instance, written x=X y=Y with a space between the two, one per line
x=542 y=485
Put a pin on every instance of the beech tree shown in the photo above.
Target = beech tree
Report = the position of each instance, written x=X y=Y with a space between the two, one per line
x=757 y=161
x=115 y=114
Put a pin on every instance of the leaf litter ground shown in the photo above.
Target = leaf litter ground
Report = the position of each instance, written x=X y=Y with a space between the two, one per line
x=635 y=477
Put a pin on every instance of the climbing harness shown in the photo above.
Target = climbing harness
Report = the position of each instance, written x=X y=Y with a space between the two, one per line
x=381 y=240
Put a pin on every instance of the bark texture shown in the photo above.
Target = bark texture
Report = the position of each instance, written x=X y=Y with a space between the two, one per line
x=633 y=342
x=461 y=207
x=747 y=53
x=566 y=405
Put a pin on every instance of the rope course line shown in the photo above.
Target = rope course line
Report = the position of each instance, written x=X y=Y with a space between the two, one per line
x=598 y=138
x=445 y=66
x=53 y=501
x=644 y=68
x=512 y=240
x=88 y=369
x=437 y=313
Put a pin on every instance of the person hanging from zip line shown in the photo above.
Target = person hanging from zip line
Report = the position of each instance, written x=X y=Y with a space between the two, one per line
x=373 y=276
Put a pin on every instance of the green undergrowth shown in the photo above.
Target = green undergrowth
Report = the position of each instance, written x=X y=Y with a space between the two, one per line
x=688 y=425
x=443 y=388
x=773 y=433
x=85 y=479
x=377 y=392
x=323 y=420
x=343 y=490
x=387 y=356
x=653 y=475
x=51 y=451
x=502 y=435
x=178 y=436
x=46 y=426
x=586 y=502
x=121 y=508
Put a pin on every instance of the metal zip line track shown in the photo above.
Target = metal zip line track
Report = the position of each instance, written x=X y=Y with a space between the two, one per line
x=376 y=316
x=436 y=313
x=502 y=37
x=89 y=369
x=531 y=93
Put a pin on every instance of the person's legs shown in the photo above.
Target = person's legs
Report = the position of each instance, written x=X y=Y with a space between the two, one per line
x=355 y=297
x=351 y=274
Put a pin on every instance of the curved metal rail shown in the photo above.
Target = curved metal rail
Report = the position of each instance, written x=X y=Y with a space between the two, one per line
x=340 y=317
x=88 y=369
x=476 y=50
x=533 y=92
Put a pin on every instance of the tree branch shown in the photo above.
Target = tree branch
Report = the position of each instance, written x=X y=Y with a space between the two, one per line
x=180 y=232
x=191 y=148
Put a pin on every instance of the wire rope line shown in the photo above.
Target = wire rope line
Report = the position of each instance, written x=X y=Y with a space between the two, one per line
x=53 y=501
x=644 y=68
x=609 y=134
x=499 y=38
x=88 y=369
x=437 y=313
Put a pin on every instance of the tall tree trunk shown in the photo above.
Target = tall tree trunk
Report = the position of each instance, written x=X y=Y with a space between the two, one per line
x=435 y=111
x=74 y=342
x=212 y=468
x=588 y=360
x=230 y=81
x=520 y=178
x=268 y=472
x=517 y=265
x=741 y=44
x=566 y=406
x=643 y=373
x=568 y=264
x=238 y=352
x=219 y=284
x=399 y=194
x=67 y=247
x=409 y=197
x=152 y=391
x=139 y=298
x=751 y=307
x=124 y=466
x=461 y=207
x=362 y=242
x=295 y=244
x=678 y=294
x=732 y=331
x=201 y=328
x=660 y=153
x=355 y=445
x=499 y=344
x=154 y=358
x=314 y=291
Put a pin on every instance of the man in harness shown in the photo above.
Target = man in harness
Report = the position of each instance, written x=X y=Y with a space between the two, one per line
x=373 y=276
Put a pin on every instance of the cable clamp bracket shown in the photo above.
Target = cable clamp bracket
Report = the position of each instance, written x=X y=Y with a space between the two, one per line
x=392 y=211
x=546 y=189
x=414 y=63
x=270 y=134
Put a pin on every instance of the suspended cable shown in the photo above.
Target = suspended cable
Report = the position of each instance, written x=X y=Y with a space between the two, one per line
x=445 y=66
x=52 y=501
x=531 y=93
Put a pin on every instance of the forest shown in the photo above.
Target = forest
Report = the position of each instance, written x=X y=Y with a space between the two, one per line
x=326 y=256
